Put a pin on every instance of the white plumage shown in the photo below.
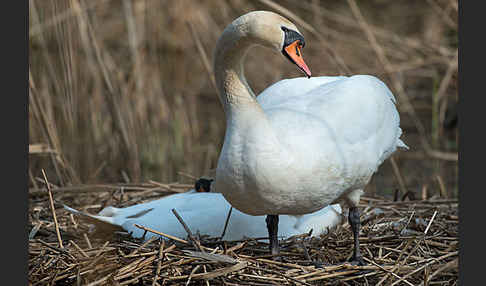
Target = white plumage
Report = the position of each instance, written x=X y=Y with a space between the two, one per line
x=205 y=213
x=303 y=143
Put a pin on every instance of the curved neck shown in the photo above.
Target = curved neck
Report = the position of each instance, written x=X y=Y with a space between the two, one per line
x=233 y=89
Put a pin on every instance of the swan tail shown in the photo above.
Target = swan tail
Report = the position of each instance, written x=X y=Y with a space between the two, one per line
x=401 y=144
x=102 y=223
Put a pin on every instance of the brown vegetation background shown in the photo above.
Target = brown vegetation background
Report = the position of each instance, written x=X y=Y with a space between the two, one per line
x=121 y=91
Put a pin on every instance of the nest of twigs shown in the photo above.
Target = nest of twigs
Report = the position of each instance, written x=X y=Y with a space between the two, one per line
x=402 y=242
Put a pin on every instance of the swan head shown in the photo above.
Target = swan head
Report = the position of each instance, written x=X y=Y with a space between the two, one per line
x=203 y=185
x=273 y=31
x=292 y=46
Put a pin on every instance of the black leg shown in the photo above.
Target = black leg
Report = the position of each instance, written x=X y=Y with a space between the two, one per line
x=272 y=226
x=353 y=219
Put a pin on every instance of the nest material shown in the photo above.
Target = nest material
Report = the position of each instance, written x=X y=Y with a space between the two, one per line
x=403 y=243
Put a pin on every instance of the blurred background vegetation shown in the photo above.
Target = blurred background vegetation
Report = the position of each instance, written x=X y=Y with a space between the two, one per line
x=122 y=91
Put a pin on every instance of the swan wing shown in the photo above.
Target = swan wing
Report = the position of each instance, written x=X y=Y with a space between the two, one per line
x=295 y=87
x=353 y=114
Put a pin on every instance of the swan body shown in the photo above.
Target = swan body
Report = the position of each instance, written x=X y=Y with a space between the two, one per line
x=303 y=143
x=204 y=213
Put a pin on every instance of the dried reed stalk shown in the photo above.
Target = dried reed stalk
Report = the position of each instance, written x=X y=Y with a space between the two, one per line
x=408 y=107
x=53 y=211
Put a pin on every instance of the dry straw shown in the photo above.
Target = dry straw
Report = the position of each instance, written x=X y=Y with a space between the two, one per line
x=123 y=91
x=405 y=239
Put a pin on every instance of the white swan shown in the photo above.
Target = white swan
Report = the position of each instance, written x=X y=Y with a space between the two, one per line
x=204 y=213
x=302 y=144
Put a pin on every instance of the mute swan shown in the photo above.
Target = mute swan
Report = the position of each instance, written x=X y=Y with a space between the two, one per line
x=204 y=213
x=303 y=143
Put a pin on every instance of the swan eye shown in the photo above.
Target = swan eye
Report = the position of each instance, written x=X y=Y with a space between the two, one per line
x=291 y=36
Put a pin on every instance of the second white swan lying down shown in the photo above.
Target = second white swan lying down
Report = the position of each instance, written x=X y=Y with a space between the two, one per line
x=205 y=213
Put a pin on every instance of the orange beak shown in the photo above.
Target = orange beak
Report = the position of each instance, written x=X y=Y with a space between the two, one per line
x=294 y=52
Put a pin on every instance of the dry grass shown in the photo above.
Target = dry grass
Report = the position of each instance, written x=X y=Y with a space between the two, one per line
x=122 y=97
x=403 y=242
x=122 y=91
